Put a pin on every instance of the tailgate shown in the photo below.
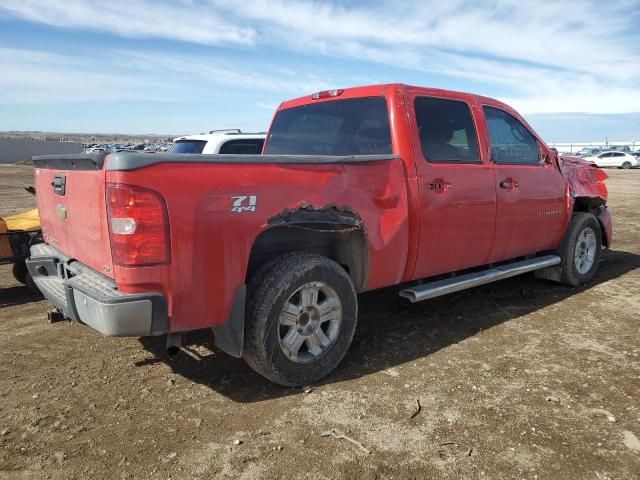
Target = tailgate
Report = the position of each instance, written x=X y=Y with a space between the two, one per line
x=71 y=198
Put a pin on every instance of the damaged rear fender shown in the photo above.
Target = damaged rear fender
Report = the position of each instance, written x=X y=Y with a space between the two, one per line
x=331 y=231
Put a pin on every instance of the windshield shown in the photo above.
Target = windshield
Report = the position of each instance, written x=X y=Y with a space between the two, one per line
x=358 y=126
x=188 y=146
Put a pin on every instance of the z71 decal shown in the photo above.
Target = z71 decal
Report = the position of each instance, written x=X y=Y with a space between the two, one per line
x=243 y=203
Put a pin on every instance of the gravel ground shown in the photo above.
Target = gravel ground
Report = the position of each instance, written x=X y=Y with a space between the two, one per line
x=521 y=379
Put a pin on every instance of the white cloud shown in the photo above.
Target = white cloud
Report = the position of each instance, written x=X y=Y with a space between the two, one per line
x=267 y=106
x=546 y=56
x=554 y=33
x=573 y=55
x=545 y=89
x=32 y=77
x=134 y=18
x=211 y=70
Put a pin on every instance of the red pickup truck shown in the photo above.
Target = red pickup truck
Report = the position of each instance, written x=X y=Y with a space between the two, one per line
x=357 y=189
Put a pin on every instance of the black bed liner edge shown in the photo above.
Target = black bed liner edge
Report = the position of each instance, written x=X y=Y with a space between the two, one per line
x=133 y=161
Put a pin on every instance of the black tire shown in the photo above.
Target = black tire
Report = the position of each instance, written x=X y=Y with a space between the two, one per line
x=268 y=291
x=22 y=275
x=626 y=165
x=571 y=275
x=20 y=272
x=31 y=284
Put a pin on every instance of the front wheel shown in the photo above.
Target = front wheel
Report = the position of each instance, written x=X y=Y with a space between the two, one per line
x=301 y=316
x=581 y=249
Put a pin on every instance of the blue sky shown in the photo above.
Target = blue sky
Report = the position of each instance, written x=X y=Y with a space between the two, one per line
x=154 y=66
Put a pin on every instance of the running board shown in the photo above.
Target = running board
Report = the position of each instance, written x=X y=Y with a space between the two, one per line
x=462 y=282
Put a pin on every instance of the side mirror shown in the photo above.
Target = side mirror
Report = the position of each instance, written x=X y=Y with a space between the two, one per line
x=545 y=160
x=547 y=154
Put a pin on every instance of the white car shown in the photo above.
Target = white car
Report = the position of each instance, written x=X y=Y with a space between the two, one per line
x=99 y=150
x=614 y=159
x=230 y=142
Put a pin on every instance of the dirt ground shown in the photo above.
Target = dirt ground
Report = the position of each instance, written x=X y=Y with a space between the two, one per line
x=521 y=379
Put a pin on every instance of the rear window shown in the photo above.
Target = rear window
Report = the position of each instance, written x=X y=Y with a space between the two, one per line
x=242 y=147
x=188 y=146
x=358 y=126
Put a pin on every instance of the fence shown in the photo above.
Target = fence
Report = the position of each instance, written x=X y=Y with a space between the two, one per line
x=14 y=150
x=574 y=147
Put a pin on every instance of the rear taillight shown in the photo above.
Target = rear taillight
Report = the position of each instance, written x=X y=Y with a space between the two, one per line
x=138 y=225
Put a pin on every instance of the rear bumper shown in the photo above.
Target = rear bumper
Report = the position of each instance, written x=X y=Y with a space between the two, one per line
x=84 y=295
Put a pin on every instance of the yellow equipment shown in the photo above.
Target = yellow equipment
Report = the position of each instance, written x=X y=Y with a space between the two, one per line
x=5 y=245
x=26 y=221
x=13 y=226
x=17 y=234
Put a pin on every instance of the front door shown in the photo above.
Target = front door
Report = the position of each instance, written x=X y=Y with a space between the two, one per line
x=531 y=196
x=456 y=187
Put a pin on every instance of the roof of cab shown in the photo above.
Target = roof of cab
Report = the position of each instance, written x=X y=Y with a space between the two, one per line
x=390 y=88
x=381 y=89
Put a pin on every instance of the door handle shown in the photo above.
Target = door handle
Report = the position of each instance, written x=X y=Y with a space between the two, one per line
x=509 y=183
x=59 y=184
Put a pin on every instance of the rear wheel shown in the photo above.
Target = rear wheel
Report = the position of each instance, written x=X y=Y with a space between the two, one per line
x=626 y=165
x=22 y=275
x=20 y=272
x=31 y=284
x=301 y=317
x=581 y=249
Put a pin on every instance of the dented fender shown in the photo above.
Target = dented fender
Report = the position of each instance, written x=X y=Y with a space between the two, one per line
x=584 y=178
x=585 y=183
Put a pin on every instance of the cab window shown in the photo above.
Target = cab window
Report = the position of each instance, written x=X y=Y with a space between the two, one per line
x=188 y=146
x=354 y=126
x=242 y=147
x=511 y=142
x=446 y=131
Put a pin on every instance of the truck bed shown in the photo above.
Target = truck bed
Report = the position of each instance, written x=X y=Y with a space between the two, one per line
x=211 y=240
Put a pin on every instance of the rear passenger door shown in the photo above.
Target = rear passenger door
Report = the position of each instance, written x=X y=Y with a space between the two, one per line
x=456 y=186
x=531 y=197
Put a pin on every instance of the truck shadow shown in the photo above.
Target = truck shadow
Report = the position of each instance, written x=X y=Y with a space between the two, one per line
x=18 y=295
x=391 y=331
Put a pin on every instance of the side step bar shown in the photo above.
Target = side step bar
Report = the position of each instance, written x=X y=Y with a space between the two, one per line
x=462 y=282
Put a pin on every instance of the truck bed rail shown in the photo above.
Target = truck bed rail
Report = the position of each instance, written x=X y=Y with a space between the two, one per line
x=132 y=161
